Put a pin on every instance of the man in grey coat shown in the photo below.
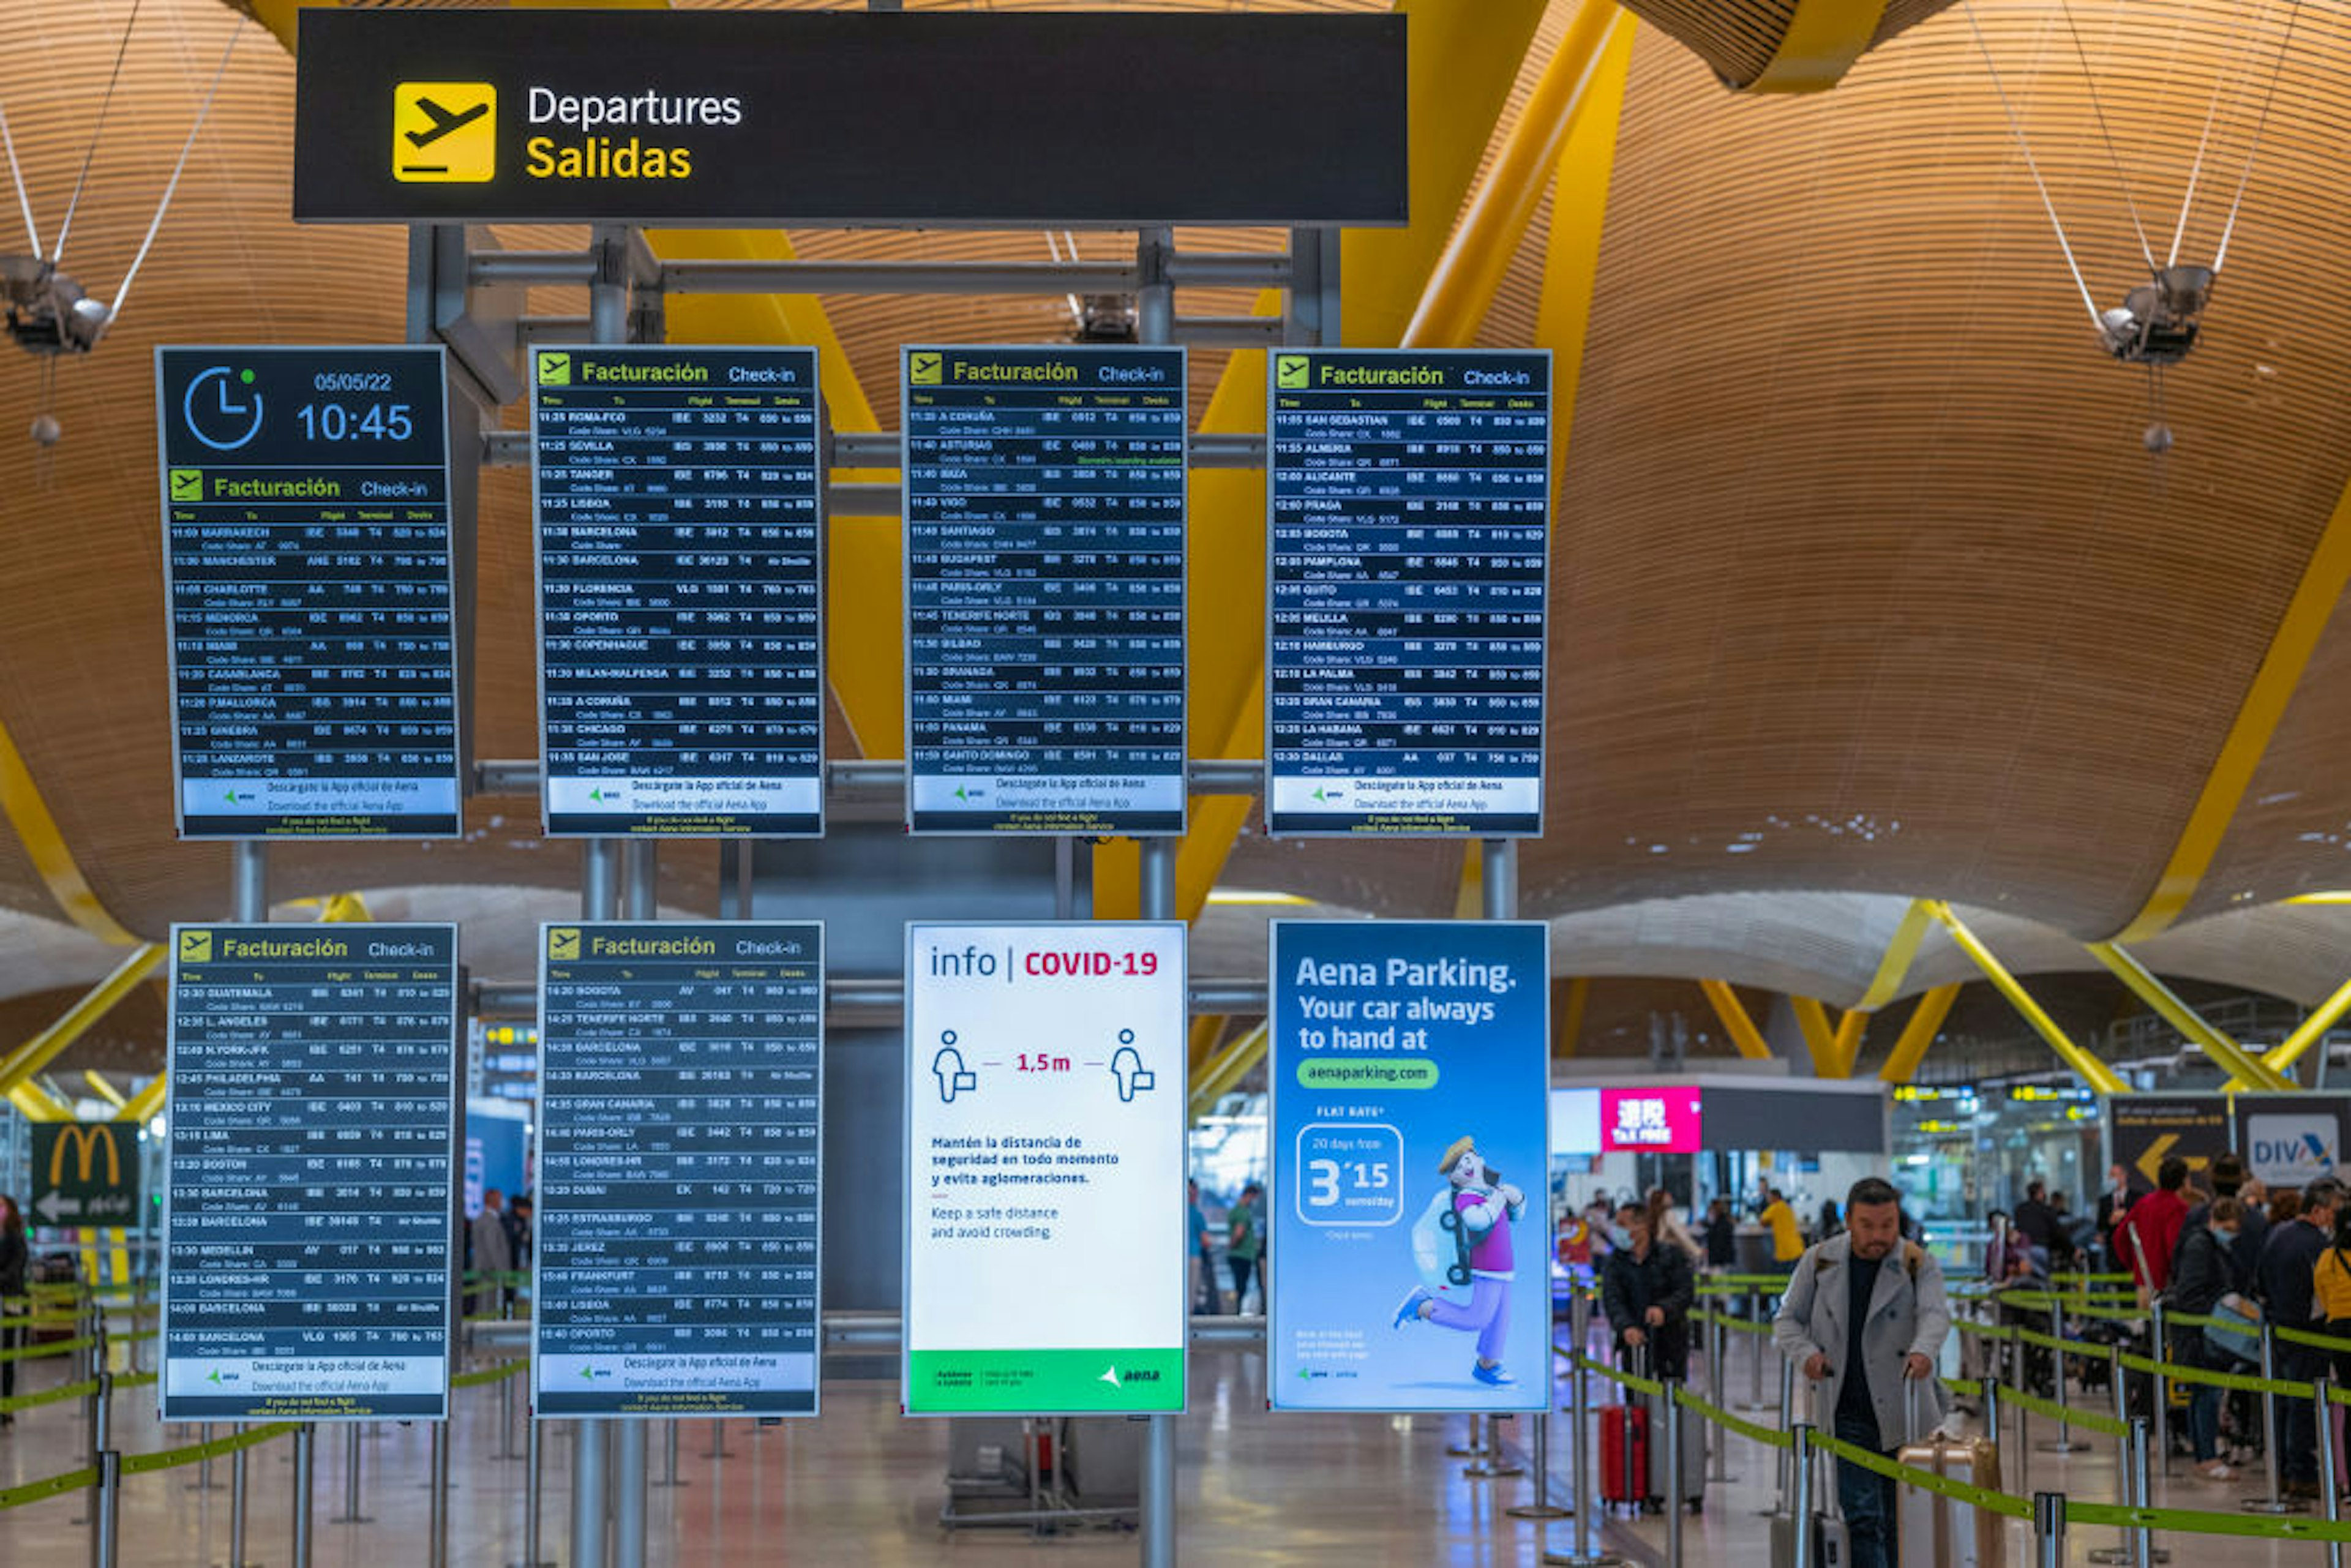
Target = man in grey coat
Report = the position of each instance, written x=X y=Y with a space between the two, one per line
x=1894 y=1290
x=492 y=1253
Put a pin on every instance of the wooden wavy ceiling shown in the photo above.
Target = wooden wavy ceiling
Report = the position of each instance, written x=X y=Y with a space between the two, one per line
x=1864 y=580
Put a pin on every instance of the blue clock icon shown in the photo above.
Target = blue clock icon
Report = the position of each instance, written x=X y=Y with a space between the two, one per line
x=219 y=409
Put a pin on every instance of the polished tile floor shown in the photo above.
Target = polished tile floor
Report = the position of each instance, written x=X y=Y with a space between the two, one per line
x=862 y=1486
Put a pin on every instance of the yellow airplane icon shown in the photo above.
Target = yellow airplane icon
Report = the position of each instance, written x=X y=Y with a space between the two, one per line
x=444 y=132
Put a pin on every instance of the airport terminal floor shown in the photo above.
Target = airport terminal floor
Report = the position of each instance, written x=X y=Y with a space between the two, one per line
x=862 y=1485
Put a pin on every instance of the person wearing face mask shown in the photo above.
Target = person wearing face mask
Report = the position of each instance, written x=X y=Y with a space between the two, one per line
x=2200 y=1286
x=1646 y=1292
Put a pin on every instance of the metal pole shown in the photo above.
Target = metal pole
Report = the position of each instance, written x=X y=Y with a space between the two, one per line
x=1541 y=1508
x=1755 y=1363
x=351 y=1514
x=2049 y=1529
x=718 y=1448
x=588 y=1493
x=627 y=1491
x=305 y=1439
x=2142 y=1535
x=1156 y=888
x=1718 y=1337
x=1155 y=299
x=507 y=1449
x=1673 y=1489
x=248 y=881
x=1787 y=1424
x=1586 y=1552
x=2064 y=1443
x=1991 y=1422
x=670 y=1478
x=106 y=1511
x=237 y=1478
x=2330 y=1505
x=2275 y=1501
x=2162 y=1393
x=534 y=1494
x=1802 y=1497
x=203 y=1482
x=438 y=1528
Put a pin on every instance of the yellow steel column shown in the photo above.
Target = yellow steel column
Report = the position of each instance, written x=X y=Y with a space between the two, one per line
x=1735 y=1020
x=102 y=1089
x=2093 y=1073
x=1900 y=954
x=2310 y=1030
x=38 y=1053
x=142 y=1107
x=2233 y=1058
x=1569 y=1034
x=1902 y=1063
x=1226 y=1068
x=38 y=1104
x=37 y=829
x=1820 y=1040
x=1823 y=40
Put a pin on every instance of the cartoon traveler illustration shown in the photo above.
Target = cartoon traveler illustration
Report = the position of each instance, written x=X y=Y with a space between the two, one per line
x=1476 y=1209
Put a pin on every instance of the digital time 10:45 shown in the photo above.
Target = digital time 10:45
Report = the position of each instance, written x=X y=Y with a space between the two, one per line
x=361 y=422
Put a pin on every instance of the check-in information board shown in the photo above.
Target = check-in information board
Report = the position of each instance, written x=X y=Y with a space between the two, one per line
x=1409 y=1066
x=1409 y=532
x=1045 y=589
x=681 y=588
x=679 y=1132
x=312 y=1171
x=1045 y=1234
x=308 y=572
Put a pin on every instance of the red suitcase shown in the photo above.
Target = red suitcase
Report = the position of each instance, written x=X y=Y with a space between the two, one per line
x=1625 y=1454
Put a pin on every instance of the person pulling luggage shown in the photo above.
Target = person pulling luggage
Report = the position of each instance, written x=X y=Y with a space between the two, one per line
x=1646 y=1290
x=1864 y=1313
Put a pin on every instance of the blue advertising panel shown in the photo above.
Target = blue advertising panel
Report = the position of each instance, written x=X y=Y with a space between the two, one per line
x=1408 y=508
x=1409 y=1069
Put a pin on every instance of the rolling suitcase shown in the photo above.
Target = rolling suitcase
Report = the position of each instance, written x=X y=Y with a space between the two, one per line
x=1831 y=1546
x=1624 y=1453
x=1939 y=1530
x=1693 y=1439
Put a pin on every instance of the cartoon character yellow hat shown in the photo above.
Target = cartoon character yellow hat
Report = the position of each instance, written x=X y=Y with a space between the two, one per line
x=1460 y=1147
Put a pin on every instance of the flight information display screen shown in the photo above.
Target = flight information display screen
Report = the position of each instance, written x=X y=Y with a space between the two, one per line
x=1409 y=496
x=680 y=1071
x=309 y=581
x=1045 y=497
x=681 y=588
x=312 y=1171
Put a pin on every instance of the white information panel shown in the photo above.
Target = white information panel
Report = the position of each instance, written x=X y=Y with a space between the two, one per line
x=1045 y=1228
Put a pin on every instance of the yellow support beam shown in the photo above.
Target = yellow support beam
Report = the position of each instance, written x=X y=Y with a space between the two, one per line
x=1823 y=40
x=1569 y=1034
x=142 y=1107
x=1847 y=1043
x=1228 y=1067
x=37 y=829
x=1910 y=1049
x=1900 y=953
x=38 y=1104
x=17 y=1069
x=2310 y=1030
x=2093 y=1072
x=1735 y=1020
x=102 y=1089
x=2233 y=1059
x=1820 y=1039
x=2323 y=581
x=1468 y=275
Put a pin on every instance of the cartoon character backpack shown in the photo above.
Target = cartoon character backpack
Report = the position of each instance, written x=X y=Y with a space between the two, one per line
x=1440 y=1248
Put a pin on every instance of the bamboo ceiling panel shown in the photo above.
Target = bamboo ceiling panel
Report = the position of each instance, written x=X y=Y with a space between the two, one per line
x=1863 y=578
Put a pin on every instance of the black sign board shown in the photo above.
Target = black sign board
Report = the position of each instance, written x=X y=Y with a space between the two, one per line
x=308 y=576
x=312 y=1173
x=2144 y=1129
x=848 y=118
x=1044 y=553
x=1409 y=531
x=680 y=1071
x=681 y=588
x=85 y=1174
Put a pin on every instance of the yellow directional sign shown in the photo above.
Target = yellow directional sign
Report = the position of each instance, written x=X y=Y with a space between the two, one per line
x=444 y=132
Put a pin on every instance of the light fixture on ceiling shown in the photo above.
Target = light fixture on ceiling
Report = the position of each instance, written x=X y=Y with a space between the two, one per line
x=47 y=313
x=2159 y=321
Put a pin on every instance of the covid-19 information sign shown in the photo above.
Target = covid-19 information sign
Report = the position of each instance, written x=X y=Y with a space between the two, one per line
x=1045 y=1232
x=1410 y=1068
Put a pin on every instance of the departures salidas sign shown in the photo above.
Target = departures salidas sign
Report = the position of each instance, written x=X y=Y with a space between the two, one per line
x=623 y=115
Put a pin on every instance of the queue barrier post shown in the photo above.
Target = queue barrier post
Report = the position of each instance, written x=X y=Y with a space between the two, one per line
x=2275 y=1501
x=1586 y=1551
x=1716 y=1365
x=1800 y=1498
x=2161 y=1351
x=106 y=1511
x=1991 y=1423
x=2049 y=1529
x=239 y=1481
x=2321 y=1395
x=1672 y=1438
x=1755 y=1362
x=2126 y=1549
x=2064 y=1443
x=351 y=1514
x=1787 y=1417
